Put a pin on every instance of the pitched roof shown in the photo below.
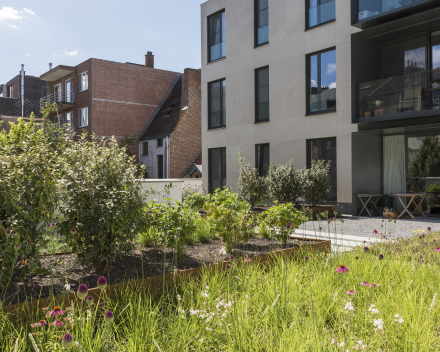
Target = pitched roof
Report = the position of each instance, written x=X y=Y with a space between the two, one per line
x=196 y=163
x=167 y=115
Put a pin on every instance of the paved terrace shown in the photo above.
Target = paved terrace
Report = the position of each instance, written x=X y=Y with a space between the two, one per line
x=356 y=229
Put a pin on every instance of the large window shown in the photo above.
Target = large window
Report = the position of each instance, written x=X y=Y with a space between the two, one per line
x=262 y=94
x=324 y=149
x=320 y=11
x=83 y=81
x=216 y=36
x=69 y=91
x=83 y=116
x=261 y=22
x=160 y=166
x=217 y=104
x=217 y=169
x=262 y=159
x=322 y=82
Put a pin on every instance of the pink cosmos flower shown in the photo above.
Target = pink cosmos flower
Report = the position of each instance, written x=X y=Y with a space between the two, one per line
x=56 y=311
x=437 y=249
x=342 y=269
x=364 y=283
x=351 y=292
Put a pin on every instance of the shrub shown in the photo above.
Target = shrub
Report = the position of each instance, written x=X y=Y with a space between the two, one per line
x=316 y=182
x=227 y=199
x=102 y=200
x=283 y=219
x=251 y=186
x=283 y=183
x=434 y=189
x=203 y=232
x=28 y=174
x=195 y=201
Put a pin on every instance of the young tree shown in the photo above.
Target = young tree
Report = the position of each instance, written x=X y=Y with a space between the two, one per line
x=251 y=186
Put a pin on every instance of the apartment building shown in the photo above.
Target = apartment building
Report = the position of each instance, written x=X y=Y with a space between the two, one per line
x=347 y=81
x=20 y=96
x=171 y=141
x=107 y=98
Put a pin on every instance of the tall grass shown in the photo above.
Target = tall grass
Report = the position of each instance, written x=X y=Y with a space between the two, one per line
x=297 y=305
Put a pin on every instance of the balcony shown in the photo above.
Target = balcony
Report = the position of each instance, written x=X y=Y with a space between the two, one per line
x=64 y=99
x=370 y=13
x=414 y=94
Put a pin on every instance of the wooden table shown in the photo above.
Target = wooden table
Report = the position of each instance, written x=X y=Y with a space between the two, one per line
x=368 y=198
x=412 y=196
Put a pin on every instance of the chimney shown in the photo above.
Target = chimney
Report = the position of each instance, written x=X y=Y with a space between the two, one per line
x=50 y=66
x=22 y=90
x=149 y=59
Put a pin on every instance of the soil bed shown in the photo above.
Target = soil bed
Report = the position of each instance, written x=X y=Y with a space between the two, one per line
x=142 y=262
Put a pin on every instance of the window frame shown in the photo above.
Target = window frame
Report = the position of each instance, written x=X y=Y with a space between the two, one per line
x=145 y=149
x=221 y=104
x=158 y=156
x=80 y=86
x=256 y=20
x=308 y=81
x=80 y=119
x=10 y=91
x=159 y=142
x=320 y=24
x=223 y=168
x=209 y=34
x=257 y=94
x=258 y=164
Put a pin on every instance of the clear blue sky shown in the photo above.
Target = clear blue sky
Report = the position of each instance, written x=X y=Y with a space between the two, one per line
x=35 y=33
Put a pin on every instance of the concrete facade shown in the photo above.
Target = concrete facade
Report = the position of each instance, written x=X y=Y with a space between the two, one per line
x=286 y=53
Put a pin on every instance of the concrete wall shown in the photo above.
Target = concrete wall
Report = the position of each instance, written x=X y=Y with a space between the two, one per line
x=285 y=54
x=179 y=185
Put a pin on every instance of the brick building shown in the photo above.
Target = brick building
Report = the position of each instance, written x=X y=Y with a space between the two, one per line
x=171 y=142
x=20 y=97
x=107 y=98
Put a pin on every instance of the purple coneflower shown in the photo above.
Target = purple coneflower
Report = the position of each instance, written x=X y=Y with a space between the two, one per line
x=67 y=342
x=34 y=325
x=42 y=323
x=247 y=260
x=364 y=283
x=437 y=249
x=82 y=291
x=102 y=283
x=351 y=292
x=56 y=311
x=374 y=285
x=383 y=236
x=57 y=323
x=342 y=269
x=109 y=317
x=375 y=232
x=380 y=256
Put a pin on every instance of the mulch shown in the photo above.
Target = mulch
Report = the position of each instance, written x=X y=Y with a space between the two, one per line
x=142 y=262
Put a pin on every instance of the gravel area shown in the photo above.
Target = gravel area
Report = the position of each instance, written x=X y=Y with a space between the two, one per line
x=364 y=226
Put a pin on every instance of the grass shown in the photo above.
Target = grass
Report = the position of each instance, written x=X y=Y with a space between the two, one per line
x=294 y=306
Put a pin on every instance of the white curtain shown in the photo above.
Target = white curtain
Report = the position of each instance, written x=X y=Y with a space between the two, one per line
x=394 y=167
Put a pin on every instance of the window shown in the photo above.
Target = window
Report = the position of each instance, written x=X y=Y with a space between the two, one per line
x=217 y=104
x=144 y=148
x=10 y=91
x=83 y=116
x=83 y=81
x=160 y=166
x=216 y=36
x=320 y=11
x=261 y=22
x=262 y=159
x=68 y=121
x=324 y=149
x=160 y=142
x=57 y=93
x=217 y=169
x=321 y=82
x=262 y=94
x=69 y=91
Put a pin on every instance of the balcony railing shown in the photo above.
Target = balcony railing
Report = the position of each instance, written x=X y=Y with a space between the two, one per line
x=370 y=8
x=416 y=91
x=59 y=97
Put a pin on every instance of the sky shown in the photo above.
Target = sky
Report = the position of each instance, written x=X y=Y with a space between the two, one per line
x=36 y=32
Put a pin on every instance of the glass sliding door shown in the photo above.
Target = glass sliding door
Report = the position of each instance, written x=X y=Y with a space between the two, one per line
x=325 y=149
